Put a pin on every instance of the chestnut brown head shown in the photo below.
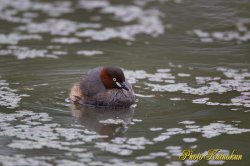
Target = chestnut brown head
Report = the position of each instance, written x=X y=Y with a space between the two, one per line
x=113 y=77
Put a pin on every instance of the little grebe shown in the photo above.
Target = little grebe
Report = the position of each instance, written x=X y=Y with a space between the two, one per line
x=103 y=86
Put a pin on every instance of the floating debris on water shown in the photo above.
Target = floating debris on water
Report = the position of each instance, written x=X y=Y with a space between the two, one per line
x=25 y=52
x=187 y=122
x=14 y=38
x=176 y=99
x=240 y=34
x=156 y=129
x=137 y=120
x=71 y=140
x=208 y=131
x=65 y=40
x=189 y=140
x=140 y=95
x=112 y=121
x=164 y=81
x=89 y=52
x=8 y=97
x=148 y=21
x=126 y=148
x=184 y=75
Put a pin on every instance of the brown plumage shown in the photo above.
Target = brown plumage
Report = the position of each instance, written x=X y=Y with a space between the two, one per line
x=103 y=86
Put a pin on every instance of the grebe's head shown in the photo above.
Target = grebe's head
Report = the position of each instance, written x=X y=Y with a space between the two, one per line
x=113 y=77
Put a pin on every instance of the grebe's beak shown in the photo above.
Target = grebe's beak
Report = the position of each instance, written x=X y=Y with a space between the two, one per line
x=124 y=86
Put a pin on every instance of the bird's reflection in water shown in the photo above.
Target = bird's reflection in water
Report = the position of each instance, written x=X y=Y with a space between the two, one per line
x=107 y=122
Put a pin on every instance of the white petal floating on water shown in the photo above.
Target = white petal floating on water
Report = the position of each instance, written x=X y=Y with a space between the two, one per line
x=188 y=140
x=89 y=52
x=14 y=38
x=8 y=97
x=187 y=122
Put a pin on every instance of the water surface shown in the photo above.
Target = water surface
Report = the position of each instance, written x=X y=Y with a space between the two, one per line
x=188 y=62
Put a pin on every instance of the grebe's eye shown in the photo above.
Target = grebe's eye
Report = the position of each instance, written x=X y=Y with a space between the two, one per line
x=114 y=79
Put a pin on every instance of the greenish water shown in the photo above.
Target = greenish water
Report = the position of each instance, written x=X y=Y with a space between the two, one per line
x=188 y=62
